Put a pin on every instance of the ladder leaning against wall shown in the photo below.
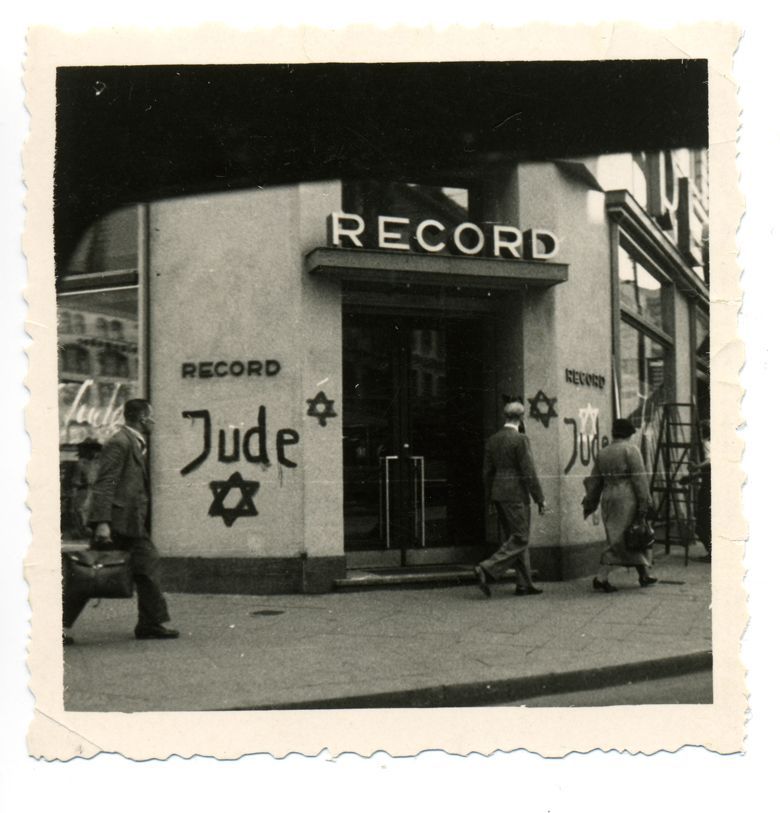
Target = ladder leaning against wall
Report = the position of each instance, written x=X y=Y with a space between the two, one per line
x=672 y=491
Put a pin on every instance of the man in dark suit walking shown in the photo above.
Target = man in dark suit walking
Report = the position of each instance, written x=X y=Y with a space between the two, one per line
x=511 y=482
x=120 y=517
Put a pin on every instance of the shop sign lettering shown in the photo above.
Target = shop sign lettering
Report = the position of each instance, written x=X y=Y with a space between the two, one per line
x=582 y=379
x=234 y=369
x=433 y=237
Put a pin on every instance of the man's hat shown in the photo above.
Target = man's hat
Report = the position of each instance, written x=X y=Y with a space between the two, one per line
x=514 y=410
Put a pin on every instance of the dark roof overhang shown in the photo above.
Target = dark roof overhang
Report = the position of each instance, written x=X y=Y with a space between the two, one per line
x=129 y=134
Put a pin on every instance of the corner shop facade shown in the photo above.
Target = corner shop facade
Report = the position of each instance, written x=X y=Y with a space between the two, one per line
x=326 y=359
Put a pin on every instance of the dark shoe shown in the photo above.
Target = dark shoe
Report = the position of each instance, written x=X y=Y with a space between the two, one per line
x=605 y=587
x=646 y=581
x=528 y=591
x=68 y=640
x=482 y=580
x=159 y=631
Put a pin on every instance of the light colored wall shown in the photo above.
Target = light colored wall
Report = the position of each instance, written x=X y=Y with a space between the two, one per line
x=227 y=282
x=568 y=326
x=620 y=171
x=540 y=361
x=322 y=360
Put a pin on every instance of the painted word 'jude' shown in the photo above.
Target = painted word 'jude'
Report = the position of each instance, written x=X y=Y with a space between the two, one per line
x=585 y=445
x=231 y=446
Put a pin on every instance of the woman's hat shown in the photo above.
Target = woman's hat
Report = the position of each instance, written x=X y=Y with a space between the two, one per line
x=622 y=428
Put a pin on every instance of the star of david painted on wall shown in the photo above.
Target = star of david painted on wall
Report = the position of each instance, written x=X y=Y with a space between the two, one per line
x=321 y=408
x=543 y=408
x=589 y=417
x=245 y=506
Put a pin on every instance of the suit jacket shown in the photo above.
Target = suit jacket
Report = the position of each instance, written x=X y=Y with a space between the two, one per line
x=120 y=494
x=509 y=471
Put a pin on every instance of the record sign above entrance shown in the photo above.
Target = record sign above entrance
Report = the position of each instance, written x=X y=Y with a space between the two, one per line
x=393 y=251
x=433 y=237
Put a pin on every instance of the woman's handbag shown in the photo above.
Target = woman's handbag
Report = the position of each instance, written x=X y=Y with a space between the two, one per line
x=639 y=536
x=98 y=573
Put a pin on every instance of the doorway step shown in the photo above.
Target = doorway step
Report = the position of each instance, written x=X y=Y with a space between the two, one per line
x=410 y=577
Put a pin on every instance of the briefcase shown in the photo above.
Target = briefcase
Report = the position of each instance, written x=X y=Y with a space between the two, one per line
x=98 y=573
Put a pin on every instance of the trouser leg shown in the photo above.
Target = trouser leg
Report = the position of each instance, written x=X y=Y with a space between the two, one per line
x=72 y=605
x=73 y=602
x=514 y=519
x=152 y=607
x=603 y=574
x=523 y=569
x=145 y=564
x=704 y=532
x=704 y=511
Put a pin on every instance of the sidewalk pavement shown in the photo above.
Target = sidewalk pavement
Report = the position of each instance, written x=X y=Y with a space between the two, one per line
x=418 y=647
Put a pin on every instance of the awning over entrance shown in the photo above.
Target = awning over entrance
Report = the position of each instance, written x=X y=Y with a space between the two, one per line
x=383 y=267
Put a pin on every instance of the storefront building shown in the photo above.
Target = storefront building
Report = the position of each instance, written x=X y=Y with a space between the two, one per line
x=325 y=359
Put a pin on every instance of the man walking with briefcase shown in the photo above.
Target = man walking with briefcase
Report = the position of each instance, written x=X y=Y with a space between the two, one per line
x=120 y=518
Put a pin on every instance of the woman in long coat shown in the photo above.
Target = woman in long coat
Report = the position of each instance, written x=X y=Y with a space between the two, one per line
x=619 y=482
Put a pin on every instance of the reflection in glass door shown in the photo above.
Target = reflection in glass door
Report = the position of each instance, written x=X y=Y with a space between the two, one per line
x=370 y=433
x=413 y=432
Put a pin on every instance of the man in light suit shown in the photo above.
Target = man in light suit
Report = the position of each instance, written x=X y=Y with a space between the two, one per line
x=511 y=482
x=120 y=517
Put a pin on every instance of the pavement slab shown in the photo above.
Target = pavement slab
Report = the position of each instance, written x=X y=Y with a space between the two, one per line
x=400 y=647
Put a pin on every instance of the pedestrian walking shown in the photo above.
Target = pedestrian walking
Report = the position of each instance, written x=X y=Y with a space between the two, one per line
x=120 y=516
x=86 y=472
x=618 y=482
x=701 y=475
x=511 y=483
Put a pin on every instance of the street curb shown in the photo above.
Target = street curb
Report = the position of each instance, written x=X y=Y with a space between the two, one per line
x=509 y=690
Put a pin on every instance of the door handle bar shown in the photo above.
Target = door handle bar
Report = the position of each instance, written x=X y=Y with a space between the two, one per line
x=418 y=488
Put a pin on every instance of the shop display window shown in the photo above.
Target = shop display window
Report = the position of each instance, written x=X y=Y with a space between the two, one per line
x=643 y=375
x=640 y=292
x=645 y=342
x=702 y=322
x=702 y=363
x=100 y=352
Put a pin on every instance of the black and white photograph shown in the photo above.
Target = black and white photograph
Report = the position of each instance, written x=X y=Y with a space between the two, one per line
x=377 y=383
x=386 y=385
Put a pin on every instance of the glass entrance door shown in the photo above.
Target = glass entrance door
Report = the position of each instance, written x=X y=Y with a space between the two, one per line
x=413 y=430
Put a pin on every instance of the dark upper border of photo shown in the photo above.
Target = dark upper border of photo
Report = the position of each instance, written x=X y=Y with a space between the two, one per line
x=129 y=133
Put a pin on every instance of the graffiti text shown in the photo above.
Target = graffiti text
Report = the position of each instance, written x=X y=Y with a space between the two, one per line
x=231 y=445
